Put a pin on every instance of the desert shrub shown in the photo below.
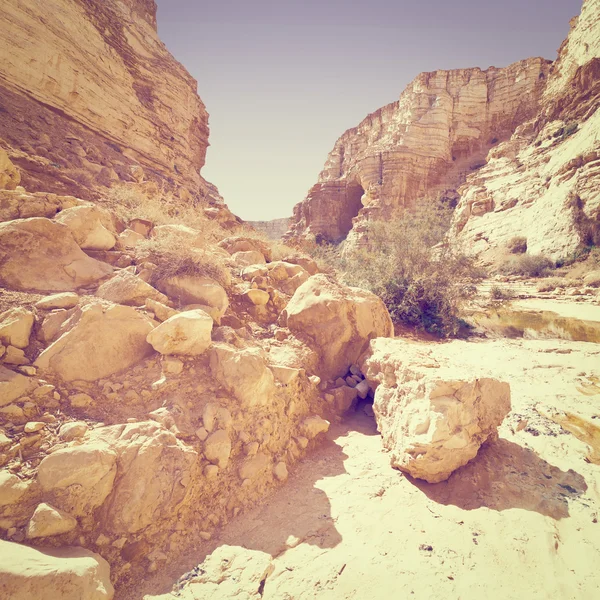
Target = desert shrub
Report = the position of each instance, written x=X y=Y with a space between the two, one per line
x=422 y=281
x=552 y=283
x=517 y=245
x=497 y=293
x=530 y=265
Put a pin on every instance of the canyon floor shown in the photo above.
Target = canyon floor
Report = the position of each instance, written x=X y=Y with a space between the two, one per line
x=519 y=521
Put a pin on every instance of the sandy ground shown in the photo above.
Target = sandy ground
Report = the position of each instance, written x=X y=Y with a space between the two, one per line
x=518 y=522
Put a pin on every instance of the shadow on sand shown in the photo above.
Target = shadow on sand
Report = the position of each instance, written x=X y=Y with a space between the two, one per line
x=505 y=475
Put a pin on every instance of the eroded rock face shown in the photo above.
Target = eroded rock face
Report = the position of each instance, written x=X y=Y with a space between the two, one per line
x=41 y=255
x=100 y=342
x=337 y=321
x=187 y=333
x=60 y=574
x=433 y=419
x=84 y=102
x=418 y=148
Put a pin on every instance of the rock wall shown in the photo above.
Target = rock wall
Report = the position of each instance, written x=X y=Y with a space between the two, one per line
x=544 y=183
x=420 y=147
x=87 y=90
x=273 y=229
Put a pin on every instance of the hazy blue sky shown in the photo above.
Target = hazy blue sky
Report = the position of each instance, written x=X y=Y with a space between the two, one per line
x=283 y=80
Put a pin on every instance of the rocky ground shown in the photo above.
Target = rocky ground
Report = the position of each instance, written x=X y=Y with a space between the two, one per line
x=519 y=521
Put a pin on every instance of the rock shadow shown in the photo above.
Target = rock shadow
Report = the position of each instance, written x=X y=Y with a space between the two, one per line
x=505 y=475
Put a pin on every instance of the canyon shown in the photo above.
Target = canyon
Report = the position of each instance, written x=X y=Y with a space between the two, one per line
x=190 y=408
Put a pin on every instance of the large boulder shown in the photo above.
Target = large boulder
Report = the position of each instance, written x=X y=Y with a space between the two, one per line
x=186 y=333
x=41 y=255
x=190 y=289
x=127 y=288
x=91 y=226
x=432 y=416
x=102 y=341
x=13 y=385
x=19 y=204
x=243 y=372
x=337 y=321
x=15 y=327
x=239 y=243
x=60 y=574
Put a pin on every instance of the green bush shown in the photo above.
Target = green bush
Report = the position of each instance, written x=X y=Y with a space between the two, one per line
x=404 y=261
x=497 y=293
x=517 y=245
x=530 y=265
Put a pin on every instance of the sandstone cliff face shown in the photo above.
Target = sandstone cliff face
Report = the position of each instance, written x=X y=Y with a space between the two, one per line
x=421 y=146
x=87 y=90
x=273 y=229
x=544 y=183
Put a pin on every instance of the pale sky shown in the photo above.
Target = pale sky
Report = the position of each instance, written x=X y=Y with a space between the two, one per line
x=283 y=80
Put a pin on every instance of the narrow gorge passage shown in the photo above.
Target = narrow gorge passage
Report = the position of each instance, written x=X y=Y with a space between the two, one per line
x=520 y=520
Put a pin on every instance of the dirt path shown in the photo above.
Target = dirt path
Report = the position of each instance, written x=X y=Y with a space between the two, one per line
x=519 y=521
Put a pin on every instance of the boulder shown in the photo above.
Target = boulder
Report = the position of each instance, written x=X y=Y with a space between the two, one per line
x=337 y=321
x=244 y=372
x=41 y=255
x=78 y=479
x=247 y=258
x=129 y=239
x=72 y=430
x=12 y=489
x=60 y=574
x=161 y=311
x=63 y=300
x=432 y=418
x=308 y=264
x=13 y=385
x=91 y=227
x=592 y=279
x=15 y=327
x=19 y=204
x=217 y=448
x=187 y=333
x=126 y=288
x=239 y=243
x=189 y=289
x=47 y=521
x=9 y=174
x=257 y=297
x=15 y=356
x=53 y=325
x=101 y=342
x=312 y=426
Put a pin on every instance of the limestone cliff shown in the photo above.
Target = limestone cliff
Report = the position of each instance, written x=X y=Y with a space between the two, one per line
x=544 y=183
x=273 y=229
x=87 y=90
x=423 y=145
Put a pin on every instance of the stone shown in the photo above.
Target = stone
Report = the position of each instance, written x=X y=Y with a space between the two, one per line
x=59 y=574
x=101 y=342
x=142 y=227
x=12 y=489
x=254 y=466
x=63 y=300
x=247 y=258
x=41 y=255
x=126 y=288
x=344 y=397
x=313 y=426
x=171 y=365
x=15 y=327
x=52 y=325
x=188 y=289
x=187 y=333
x=336 y=321
x=217 y=448
x=15 y=356
x=91 y=227
x=363 y=389
x=285 y=375
x=592 y=279
x=237 y=244
x=244 y=372
x=161 y=311
x=307 y=263
x=33 y=426
x=47 y=521
x=129 y=239
x=9 y=174
x=257 y=297
x=432 y=420
x=280 y=471
x=81 y=400
x=13 y=385
x=211 y=472
x=72 y=430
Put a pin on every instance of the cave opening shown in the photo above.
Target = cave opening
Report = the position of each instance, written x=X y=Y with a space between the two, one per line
x=352 y=206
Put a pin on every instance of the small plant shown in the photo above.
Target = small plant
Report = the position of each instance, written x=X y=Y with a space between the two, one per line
x=552 y=283
x=497 y=293
x=529 y=265
x=517 y=245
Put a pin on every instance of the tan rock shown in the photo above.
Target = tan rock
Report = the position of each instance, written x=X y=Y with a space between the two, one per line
x=217 y=448
x=247 y=258
x=60 y=574
x=161 y=311
x=280 y=471
x=34 y=426
x=126 y=288
x=337 y=321
x=13 y=385
x=64 y=300
x=15 y=327
x=257 y=297
x=188 y=289
x=103 y=341
x=141 y=226
x=187 y=333
x=255 y=466
x=80 y=400
x=91 y=227
x=129 y=239
x=308 y=264
x=12 y=489
x=15 y=356
x=312 y=426
x=48 y=521
x=9 y=174
x=72 y=430
x=236 y=244
x=41 y=255
x=592 y=279
x=432 y=420
x=344 y=397
x=244 y=372
x=53 y=325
